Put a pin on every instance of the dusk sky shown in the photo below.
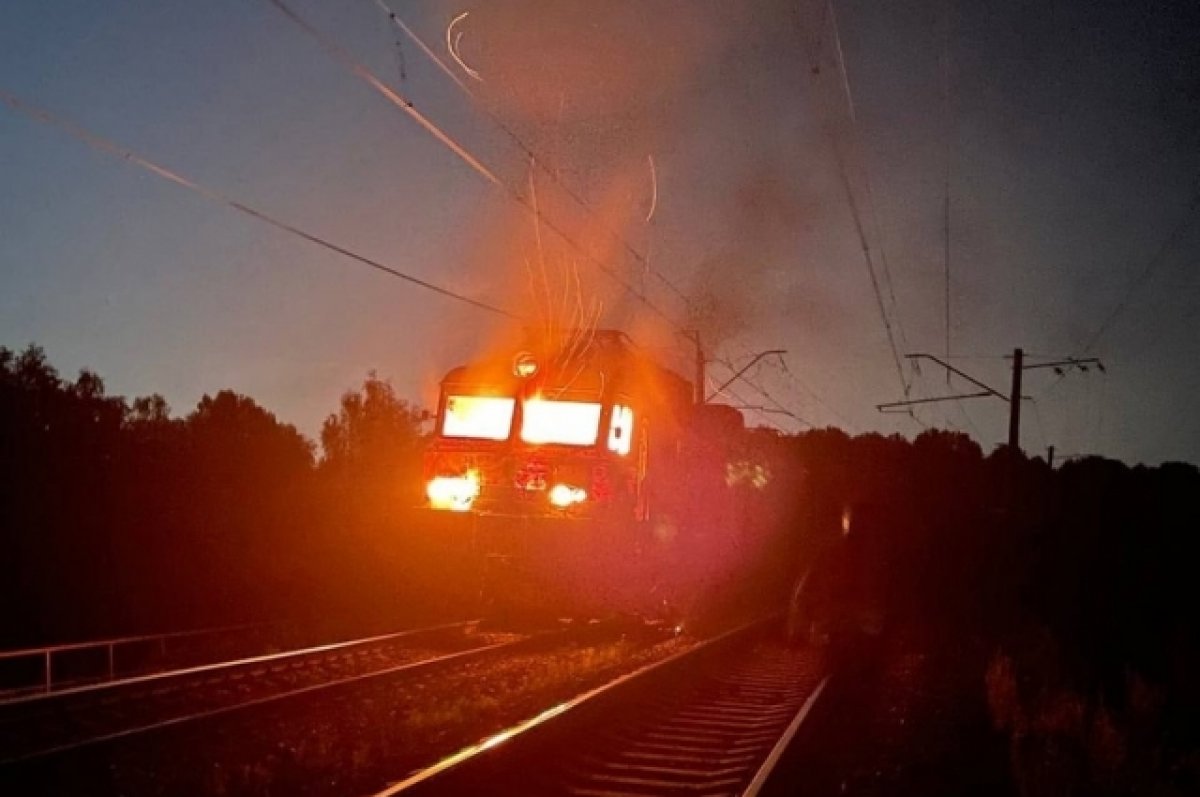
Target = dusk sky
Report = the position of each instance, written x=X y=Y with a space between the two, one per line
x=1069 y=131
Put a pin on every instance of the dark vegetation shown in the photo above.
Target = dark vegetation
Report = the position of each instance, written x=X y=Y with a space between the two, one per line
x=1071 y=594
x=117 y=518
x=1077 y=583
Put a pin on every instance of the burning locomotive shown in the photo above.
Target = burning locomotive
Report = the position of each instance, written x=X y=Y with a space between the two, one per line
x=587 y=468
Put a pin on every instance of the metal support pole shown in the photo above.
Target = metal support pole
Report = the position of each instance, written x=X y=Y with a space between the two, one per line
x=1014 y=403
x=699 y=392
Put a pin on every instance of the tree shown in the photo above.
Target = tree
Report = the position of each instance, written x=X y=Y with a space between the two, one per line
x=150 y=409
x=375 y=439
x=235 y=428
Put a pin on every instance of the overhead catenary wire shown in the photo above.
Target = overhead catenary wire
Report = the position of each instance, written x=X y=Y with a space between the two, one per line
x=1189 y=217
x=921 y=392
x=528 y=151
x=801 y=386
x=339 y=54
x=946 y=177
x=859 y=227
x=1037 y=418
x=760 y=390
x=109 y=147
x=347 y=61
x=343 y=57
x=537 y=161
x=868 y=183
x=797 y=384
x=744 y=405
x=1191 y=309
x=762 y=413
x=962 y=408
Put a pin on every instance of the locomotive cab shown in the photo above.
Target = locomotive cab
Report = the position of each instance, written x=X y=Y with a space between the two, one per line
x=588 y=476
x=568 y=433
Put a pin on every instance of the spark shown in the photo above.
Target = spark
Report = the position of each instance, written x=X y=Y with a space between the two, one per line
x=541 y=252
x=653 y=189
x=452 y=41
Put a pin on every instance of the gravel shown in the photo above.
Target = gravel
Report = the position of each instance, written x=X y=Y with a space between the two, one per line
x=352 y=741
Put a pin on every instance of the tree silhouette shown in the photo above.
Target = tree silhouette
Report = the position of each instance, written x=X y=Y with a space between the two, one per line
x=117 y=517
x=374 y=443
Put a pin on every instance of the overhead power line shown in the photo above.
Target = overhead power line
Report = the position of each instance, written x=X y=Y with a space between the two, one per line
x=528 y=149
x=1190 y=216
x=859 y=227
x=797 y=386
x=113 y=149
x=949 y=143
x=759 y=389
x=539 y=162
x=535 y=159
x=339 y=54
x=346 y=60
x=762 y=413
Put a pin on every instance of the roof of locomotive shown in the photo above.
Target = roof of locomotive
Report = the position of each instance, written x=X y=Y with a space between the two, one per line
x=583 y=363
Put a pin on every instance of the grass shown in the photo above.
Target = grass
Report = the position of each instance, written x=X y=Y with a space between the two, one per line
x=1065 y=740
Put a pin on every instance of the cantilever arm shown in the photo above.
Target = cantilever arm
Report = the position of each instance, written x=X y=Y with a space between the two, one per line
x=741 y=371
x=990 y=391
x=910 y=402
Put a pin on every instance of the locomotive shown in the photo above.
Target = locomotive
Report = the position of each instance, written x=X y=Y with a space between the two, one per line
x=586 y=472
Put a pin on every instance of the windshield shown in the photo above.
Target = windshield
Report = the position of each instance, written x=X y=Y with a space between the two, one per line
x=574 y=423
x=482 y=417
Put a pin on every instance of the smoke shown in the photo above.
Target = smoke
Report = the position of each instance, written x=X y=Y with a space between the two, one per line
x=769 y=217
x=593 y=89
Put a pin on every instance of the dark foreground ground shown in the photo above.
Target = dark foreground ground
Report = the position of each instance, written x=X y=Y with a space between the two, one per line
x=905 y=714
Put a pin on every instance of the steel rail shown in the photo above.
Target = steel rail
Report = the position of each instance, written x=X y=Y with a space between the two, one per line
x=726 y=724
x=466 y=754
x=759 y=782
x=203 y=669
x=309 y=689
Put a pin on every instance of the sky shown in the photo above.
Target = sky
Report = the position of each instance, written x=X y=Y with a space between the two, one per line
x=783 y=136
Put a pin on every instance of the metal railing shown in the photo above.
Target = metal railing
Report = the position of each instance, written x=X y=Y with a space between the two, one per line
x=46 y=656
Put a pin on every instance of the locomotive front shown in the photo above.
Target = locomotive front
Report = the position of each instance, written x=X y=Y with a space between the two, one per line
x=560 y=435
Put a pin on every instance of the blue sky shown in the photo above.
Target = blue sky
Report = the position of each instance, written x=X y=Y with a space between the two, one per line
x=1070 y=135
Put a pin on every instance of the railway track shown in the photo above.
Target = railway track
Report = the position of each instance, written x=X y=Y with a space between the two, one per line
x=36 y=726
x=713 y=720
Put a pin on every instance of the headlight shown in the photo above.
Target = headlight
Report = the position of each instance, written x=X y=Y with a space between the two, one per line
x=455 y=493
x=564 y=495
